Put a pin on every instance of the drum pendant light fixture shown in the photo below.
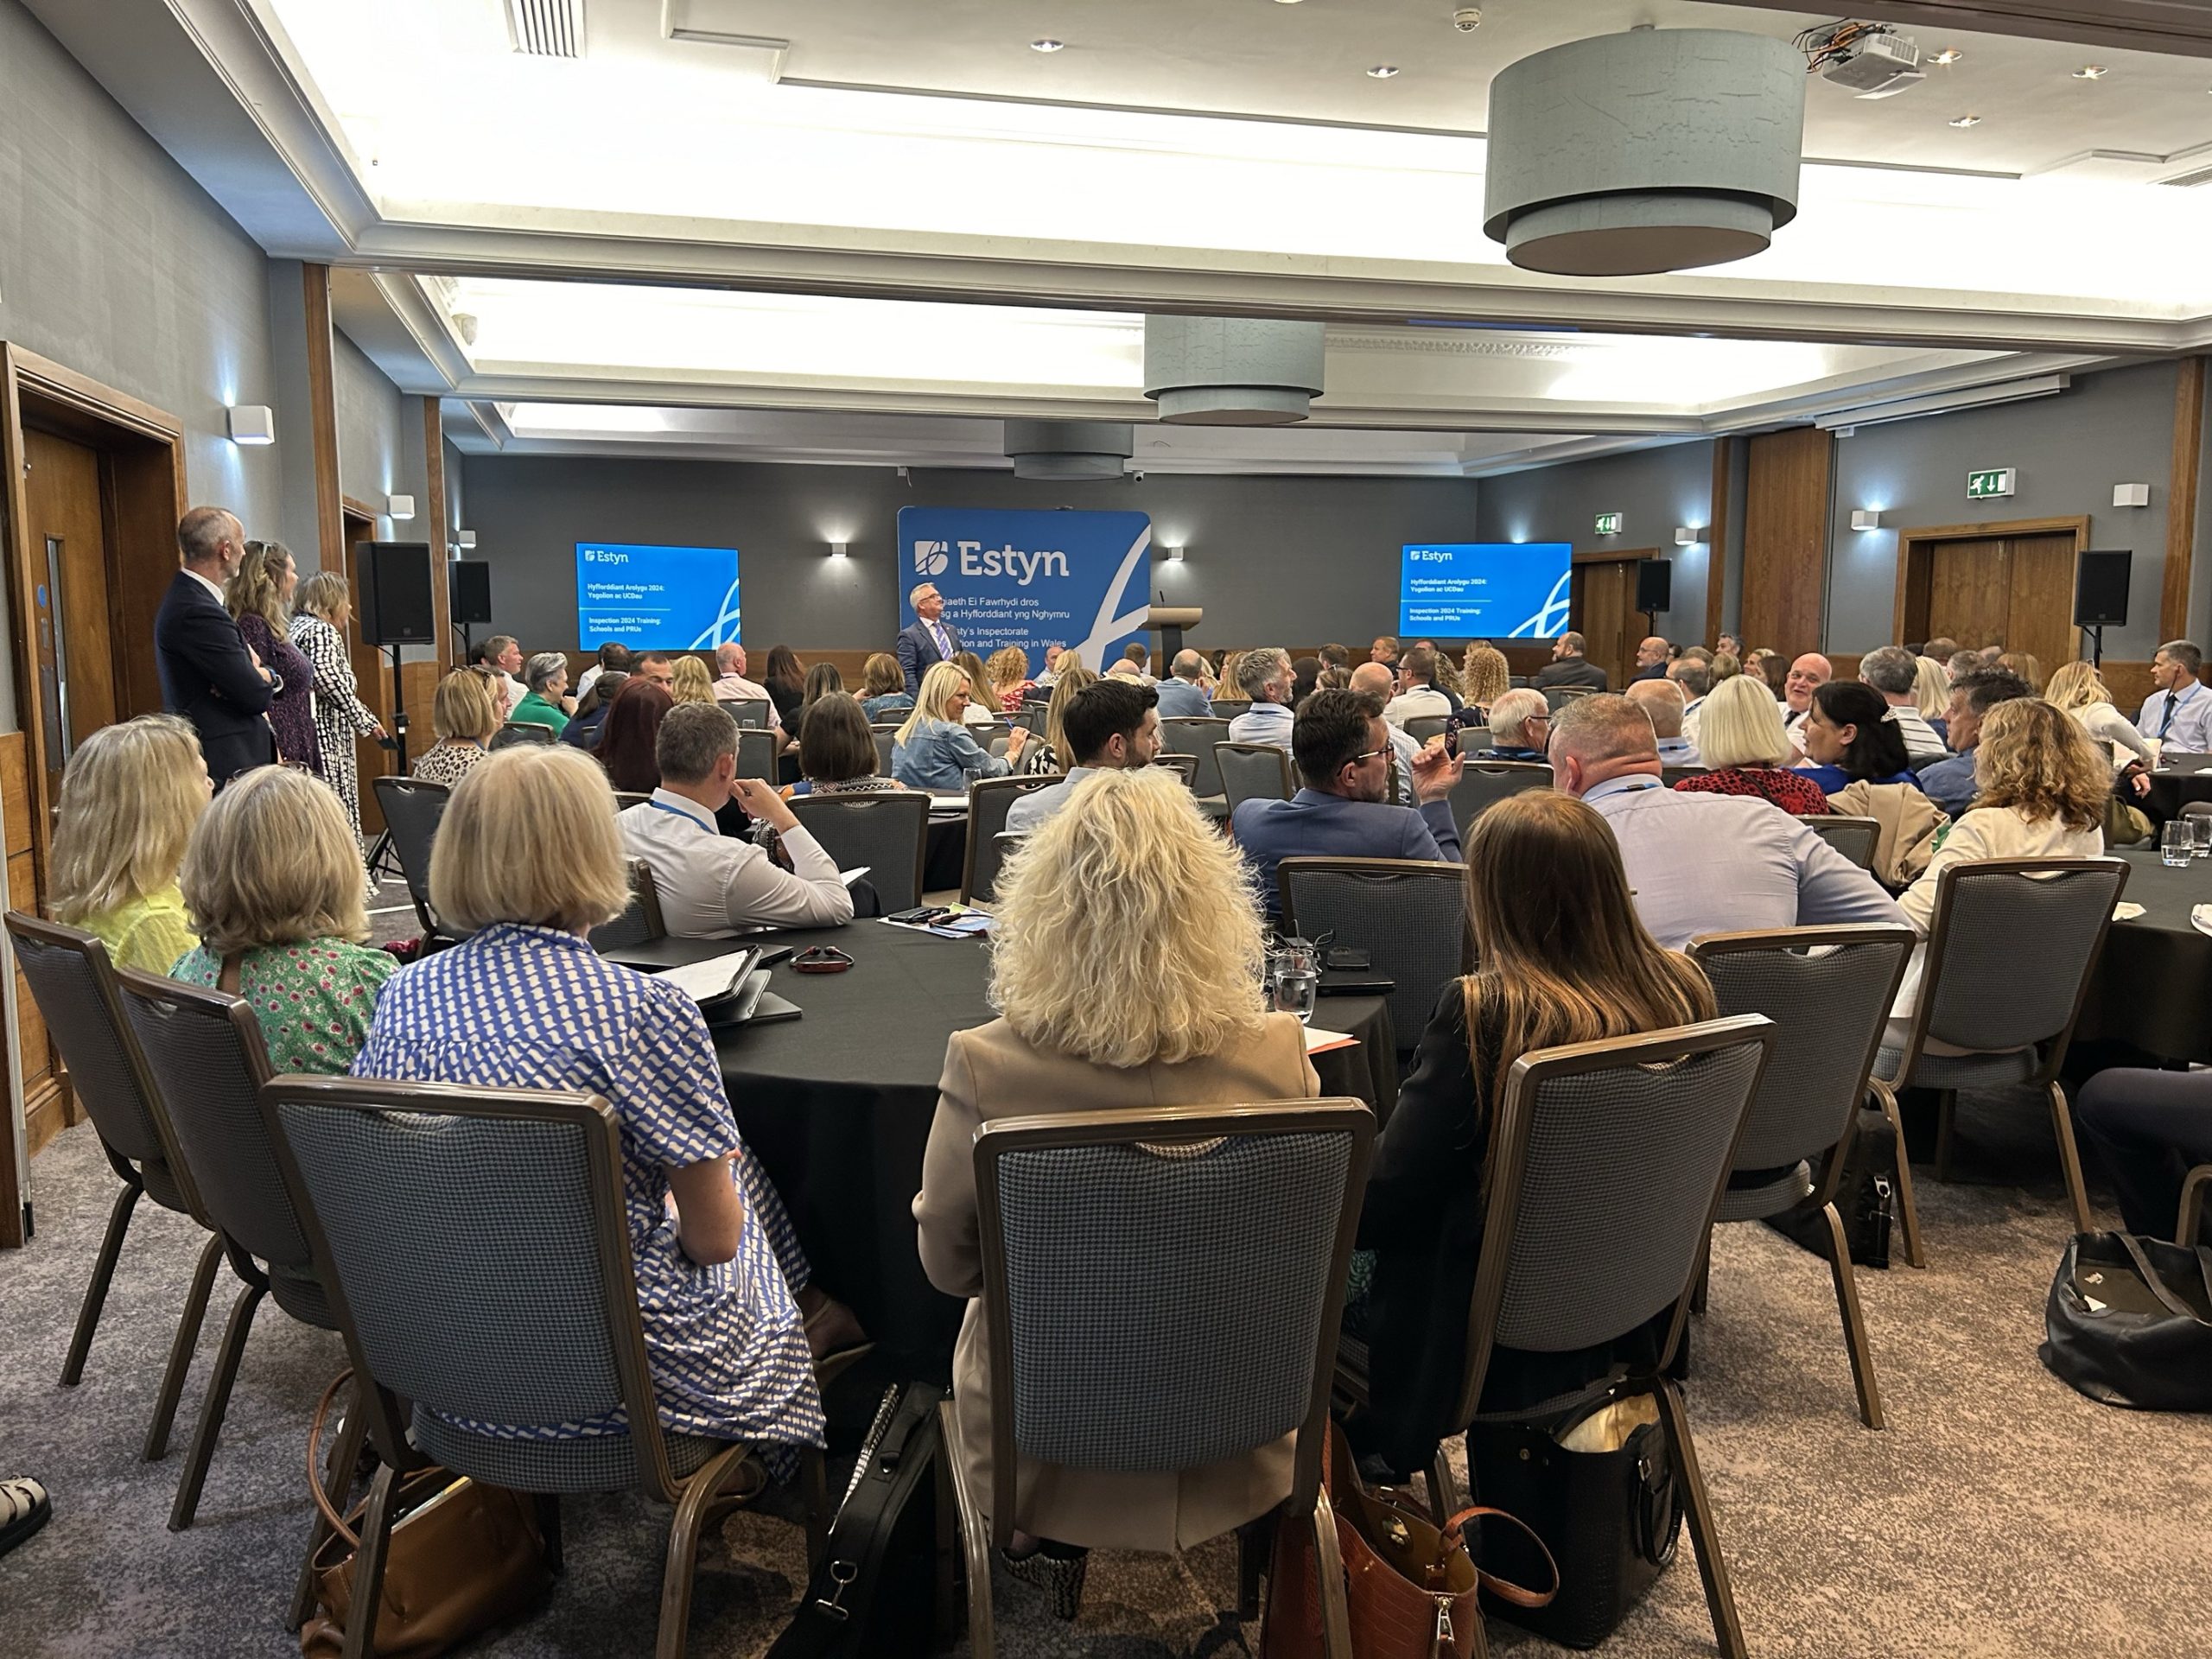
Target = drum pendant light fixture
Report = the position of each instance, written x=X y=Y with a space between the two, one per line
x=1659 y=150
x=1068 y=451
x=1232 y=371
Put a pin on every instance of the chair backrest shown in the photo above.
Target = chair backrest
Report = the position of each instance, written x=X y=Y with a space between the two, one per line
x=1516 y=682
x=1672 y=775
x=2196 y=809
x=640 y=920
x=205 y=1052
x=1030 y=717
x=518 y=731
x=1828 y=992
x=1483 y=784
x=751 y=713
x=1995 y=918
x=1556 y=696
x=1409 y=916
x=72 y=981
x=998 y=732
x=1855 y=838
x=1132 y=1259
x=1184 y=767
x=756 y=753
x=1421 y=727
x=1229 y=708
x=886 y=738
x=987 y=801
x=1606 y=1165
x=885 y=831
x=1196 y=735
x=411 y=808
x=625 y=799
x=476 y=1249
x=1253 y=772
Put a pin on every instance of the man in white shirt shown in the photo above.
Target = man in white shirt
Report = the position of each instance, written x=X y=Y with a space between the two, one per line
x=1264 y=675
x=732 y=686
x=1696 y=677
x=503 y=652
x=1893 y=672
x=1376 y=681
x=1662 y=700
x=1806 y=674
x=712 y=885
x=2178 y=711
x=1417 y=693
x=1110 y=725
x=1052 y=655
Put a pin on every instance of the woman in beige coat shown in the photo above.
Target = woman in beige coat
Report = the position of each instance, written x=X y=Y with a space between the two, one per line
x=1126 y=968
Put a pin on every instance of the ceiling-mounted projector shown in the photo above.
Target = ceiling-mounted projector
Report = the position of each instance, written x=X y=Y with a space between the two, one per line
x=1873 y=60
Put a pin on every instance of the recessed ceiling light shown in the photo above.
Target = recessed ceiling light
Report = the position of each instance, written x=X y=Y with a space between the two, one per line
x=1968 y=121
x=1383 y=70
x=2091 y=72
x=1046 y=46
x=1948 y=54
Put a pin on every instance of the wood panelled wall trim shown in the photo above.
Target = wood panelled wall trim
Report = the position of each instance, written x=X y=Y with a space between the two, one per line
x=2182 y=496
x=1790 y=475
x=1716 y=542
x=322 y=418
x=433 y=446
x=45 y=1100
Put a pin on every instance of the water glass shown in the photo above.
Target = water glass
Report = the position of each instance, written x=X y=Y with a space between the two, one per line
x=2201 y=828
x=2176 y=842
x=1295 y=985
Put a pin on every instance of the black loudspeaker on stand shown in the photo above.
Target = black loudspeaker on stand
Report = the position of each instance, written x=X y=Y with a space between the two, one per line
x=394 y=579
x=1654 y=585
x=2100 y=596
x=472 y=598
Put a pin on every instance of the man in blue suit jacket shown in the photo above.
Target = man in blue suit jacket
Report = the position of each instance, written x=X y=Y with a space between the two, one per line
x=930 y=641
x=209 y=675
x=1342 y=746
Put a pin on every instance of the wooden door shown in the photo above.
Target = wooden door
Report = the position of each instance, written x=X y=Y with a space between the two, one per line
x=70 y=555
x=1789 y=482
x=2040 y=596
x=1603 y=608
x=1970 y=592
x=2016 y=591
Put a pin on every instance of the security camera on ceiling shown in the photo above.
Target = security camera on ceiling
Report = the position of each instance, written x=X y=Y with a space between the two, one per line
x=1871 y=60
x=1467 y=19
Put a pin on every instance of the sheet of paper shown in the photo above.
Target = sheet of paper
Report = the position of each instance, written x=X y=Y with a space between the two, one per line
x=1319 y=1041
x=701 y=981
x=850 y=876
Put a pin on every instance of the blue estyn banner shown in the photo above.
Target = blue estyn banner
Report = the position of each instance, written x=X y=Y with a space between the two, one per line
x=1031 y=579
x=654 y=598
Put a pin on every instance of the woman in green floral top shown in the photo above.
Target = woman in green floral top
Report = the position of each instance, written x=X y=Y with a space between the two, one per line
x=272 y=878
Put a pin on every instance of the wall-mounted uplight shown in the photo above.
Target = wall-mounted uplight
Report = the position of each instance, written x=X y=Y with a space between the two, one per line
x=1865 y=519
x=1175 y=554
x=838 y=549
x=467 y=539
x=1687 y=536
x=2131 y=495
x=399 y=508
x=253 y=423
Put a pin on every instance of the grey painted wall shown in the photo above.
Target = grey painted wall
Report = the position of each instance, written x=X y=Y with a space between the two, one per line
x=1657 y=489
x=1290 y=560
x=2114 y=428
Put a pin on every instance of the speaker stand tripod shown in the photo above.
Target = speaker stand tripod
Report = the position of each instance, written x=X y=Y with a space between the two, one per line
x=2096 y=632
x=383 y=857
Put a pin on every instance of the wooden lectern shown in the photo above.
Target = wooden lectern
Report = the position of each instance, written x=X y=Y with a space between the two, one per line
x=1171 y=620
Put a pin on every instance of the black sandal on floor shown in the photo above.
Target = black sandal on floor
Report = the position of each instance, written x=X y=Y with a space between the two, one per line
x=25 y=1508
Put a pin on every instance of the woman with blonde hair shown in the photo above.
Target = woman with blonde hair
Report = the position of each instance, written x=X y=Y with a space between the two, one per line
x=1931 y=694
x=933 y=749
x=1564 y=959
x=821 y=680
x=1008 y=672
x=1047 y=757
x=272 y=880
x=1725 y=666
x=259 y=599
x=1484 y=677
x=883 y=687
x=983 y=705
x=322 y=608
x=693 y=683
x=1225 y=678
x=466 y=713
x=129 y=796
x=528 y=859
x=1127 y=888
x=2025 y=664
x=2079 y=690
x=1740 y=738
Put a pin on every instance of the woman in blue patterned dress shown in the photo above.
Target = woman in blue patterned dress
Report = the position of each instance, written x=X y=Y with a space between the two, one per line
x=527 y=854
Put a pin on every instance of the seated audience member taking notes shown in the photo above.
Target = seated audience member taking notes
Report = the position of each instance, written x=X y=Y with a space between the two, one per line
x=1568 y=666
x=1264 y=676
x=933 y=749
x=465 y=712
x=629 y=743
x=1342 y=746
x=129 y=798
x=613 y=655
x=528 y=859
x=272 y=881
x=1045 y=756
x=883 y=689
x=1418 y=694
x=1181 y=694
x=1108 y=727
x=1563 y=960
x=982 y=708
x=1661 y=699
x=1894 y=673
x=1848 y=739
x=1520 y=726
x=2177 y=713
x=584 y=731
x=1131 y=889
x=1742 y=745
x=2076 y=688
x=836 y=751
x=1652 y=656
x=1950 y=784
x=1699 y=862
x=546 y=676
x=259 y=596
x=712 y=885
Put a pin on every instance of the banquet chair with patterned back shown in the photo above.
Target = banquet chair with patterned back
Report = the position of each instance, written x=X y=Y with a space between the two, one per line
x=520 y=731
x=1607 y=1163
x=2006 y=1028
x=1558 y=696
x=478 y=1250
x=1827 y=991
x=1855 y=838
x=412 y=807
x=72 y=981
x=757 y=748
x=1672 y=775
x=1483 y=784
x=1409 y=915
x=1421 y=727
x=884 y=831
x=1197 y=735
x=1031 y=716
x=1249 y=1211
x=1229 y=708
x=640 y=920
x=886 y=738
x=1253 y=772
x=1184 y=767
x=987 y=801
x=2196 y=809
x=751 y=713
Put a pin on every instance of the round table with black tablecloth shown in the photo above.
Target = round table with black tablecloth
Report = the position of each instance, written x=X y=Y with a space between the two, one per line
x=2173 y=788
x=2152 y=989
x=837 y=1104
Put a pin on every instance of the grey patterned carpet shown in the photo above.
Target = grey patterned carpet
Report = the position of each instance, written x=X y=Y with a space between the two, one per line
x=2000 y=1513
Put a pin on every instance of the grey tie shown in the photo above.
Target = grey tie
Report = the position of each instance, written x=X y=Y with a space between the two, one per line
x=2168 y=720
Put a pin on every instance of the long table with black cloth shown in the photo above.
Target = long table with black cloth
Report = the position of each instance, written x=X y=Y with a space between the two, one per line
x=2152 y=989
x=837 y=1104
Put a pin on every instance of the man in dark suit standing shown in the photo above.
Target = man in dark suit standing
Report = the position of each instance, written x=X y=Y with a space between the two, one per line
x=930 y=641
x=209 y=674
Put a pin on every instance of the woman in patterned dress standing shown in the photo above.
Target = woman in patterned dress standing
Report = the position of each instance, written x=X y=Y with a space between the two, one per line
x=259 y=599
x=321 y=611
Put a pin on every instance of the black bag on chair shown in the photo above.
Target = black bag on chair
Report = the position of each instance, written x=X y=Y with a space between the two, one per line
x=1865 y=1197
x=2129 y=1322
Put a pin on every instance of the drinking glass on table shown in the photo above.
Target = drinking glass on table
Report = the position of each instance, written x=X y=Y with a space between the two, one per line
x=2176 y=842
x=2200 y=826
x=1294 y=979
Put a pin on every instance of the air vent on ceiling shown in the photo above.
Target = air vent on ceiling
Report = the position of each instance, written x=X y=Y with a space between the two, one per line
x=547 y=29
x=2189 y=180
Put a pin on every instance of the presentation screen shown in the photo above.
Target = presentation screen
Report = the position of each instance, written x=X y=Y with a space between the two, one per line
x=1032 y=579
x=1472 y=590
x=655 y=597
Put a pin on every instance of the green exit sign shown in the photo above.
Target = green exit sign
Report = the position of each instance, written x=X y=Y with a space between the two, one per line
x=1609 y=524
x=1989 y=483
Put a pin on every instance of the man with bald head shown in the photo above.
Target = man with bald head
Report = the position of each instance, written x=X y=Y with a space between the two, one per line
x=1651 y=659
x=1375 y=680
x=1663 y=701
x=1702 y=863
x=209 y=674
x=1806 y=674
x=1181 y=696
x=732 y=686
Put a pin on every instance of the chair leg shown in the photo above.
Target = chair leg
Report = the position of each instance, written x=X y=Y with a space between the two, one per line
x=2069 y=1157
x=548 y=1508
x=368 y=1565
x=1719 y=1599
x=948 y=1550
x=1255 y=1544
x=210 y=1425
x=975 y=1539
x=182 y=1346
x=1701 y=1293
x=1329 y=1580
x=1947 y=1106
x=683 y=1550
x=88 y=1312
x=1443 y=1490
x=814 y=1472
x=337 y=1479
x=1838 y=1250
x=1907 y=1210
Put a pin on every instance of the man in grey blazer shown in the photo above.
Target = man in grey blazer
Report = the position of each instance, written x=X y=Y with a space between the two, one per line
x=931 y=641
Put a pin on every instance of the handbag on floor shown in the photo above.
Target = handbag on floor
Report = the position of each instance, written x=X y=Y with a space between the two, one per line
x=1865 y=1197
x=1597 y=1486
x=462 y=1558
x=2129 y=1322
x=871 y=1595
x=1412 y=1591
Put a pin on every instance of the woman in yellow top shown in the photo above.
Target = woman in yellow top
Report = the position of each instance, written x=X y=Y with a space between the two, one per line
x=130 y=798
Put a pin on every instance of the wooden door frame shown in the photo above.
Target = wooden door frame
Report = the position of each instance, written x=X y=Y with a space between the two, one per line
x=1920 y=544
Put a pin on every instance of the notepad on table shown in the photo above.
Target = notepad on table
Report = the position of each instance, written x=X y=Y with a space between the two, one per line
x=702 y=982
x=1319 y=1041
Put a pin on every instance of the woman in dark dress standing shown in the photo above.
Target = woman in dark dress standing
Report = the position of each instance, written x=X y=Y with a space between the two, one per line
x=259 y=598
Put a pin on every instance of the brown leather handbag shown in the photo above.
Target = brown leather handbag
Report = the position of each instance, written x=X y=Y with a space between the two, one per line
x=1412 y=1591
x=462 y=1558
